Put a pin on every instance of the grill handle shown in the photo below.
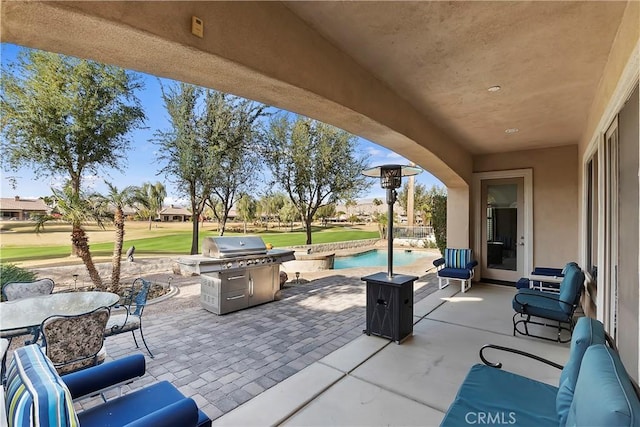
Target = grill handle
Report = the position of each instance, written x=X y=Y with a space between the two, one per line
x=250 y=286
x=232 y=298
x=235 y=277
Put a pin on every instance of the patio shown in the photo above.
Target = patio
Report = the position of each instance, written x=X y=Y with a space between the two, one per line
x=303 y=360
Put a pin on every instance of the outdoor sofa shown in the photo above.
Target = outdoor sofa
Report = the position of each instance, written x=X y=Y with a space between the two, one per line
x=36 y=395
x=594 y=389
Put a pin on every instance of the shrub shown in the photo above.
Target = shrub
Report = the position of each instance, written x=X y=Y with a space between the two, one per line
x=12 y=273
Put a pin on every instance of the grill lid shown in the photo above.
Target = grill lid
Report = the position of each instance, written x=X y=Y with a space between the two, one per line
x=234 y=246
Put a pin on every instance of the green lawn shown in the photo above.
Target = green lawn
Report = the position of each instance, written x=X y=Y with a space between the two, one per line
x=179 y=242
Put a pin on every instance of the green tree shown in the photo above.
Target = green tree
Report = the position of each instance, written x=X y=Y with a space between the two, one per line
x=79 y=209
x=149 y=199
x=288 y=213
x=247 y=208
x=438 y=211
x=118 y=200
x=314 y=163
x=63 y=115
x=66 y=115
x=326 y=211
x=270 y=205
x=184 y=151
x=205 y=147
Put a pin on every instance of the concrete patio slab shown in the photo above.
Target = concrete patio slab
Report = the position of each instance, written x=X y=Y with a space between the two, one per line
x=353 y=402
x=484 y=306
x=430 y=366
x=347 y=358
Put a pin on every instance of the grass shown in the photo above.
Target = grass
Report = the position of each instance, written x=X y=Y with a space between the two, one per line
x=24 y=245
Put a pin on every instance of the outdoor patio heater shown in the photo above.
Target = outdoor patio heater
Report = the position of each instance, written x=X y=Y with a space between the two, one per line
x=389 y=296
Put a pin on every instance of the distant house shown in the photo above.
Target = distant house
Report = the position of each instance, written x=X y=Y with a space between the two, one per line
x=175 y=214
x=22 y=209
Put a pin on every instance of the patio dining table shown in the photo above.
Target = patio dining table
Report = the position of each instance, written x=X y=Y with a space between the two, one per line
x=30 y=312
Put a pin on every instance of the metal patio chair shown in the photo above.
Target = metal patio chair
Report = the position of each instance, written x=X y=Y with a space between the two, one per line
x=75 y=342
x=130 y=310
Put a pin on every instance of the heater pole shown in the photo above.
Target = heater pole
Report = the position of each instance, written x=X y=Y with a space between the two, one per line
x=391 y=198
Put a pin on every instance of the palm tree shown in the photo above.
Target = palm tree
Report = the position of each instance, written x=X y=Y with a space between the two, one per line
x=78 y=209
x=118 y=200
x=150 y=197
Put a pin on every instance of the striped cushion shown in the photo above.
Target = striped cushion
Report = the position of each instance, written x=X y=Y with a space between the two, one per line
x=457 y=258
x=36 y=395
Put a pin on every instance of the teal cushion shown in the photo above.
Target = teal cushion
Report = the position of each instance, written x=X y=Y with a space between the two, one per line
x=539 y=303
x=587 y=332
x=35 y=394
x=457 y=258
x=571 y=287
x=604 y=395
x=490 y=396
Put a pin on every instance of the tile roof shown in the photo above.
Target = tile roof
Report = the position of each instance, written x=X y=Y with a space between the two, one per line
x=17 y=204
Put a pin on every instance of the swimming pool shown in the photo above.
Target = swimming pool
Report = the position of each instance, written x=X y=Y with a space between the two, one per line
x=375 y=258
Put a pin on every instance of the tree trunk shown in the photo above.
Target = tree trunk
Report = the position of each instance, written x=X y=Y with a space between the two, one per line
x=150 y=217
x=81 y=241
x=245 y=227
x=118 y=221
x=223 y=226
x=307 y=224
x=194 y=230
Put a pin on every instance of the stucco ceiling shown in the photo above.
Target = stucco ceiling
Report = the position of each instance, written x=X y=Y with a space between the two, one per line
x=547 y=57
x=412 y=76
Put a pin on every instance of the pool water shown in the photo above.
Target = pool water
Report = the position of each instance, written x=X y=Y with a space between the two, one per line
x=377 y=258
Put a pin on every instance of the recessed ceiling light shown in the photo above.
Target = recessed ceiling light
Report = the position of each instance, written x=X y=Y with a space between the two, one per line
x=494 y=88
x=511 y=130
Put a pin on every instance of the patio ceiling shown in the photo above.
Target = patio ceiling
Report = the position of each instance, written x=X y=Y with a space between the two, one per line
x=412 y=76
x=547 y=57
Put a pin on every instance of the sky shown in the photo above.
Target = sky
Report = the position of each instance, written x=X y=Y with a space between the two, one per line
x=142 y=165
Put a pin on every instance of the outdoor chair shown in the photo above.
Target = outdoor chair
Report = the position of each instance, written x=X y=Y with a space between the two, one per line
x=131 y=308
x=555 y=307
x=17 y=290
x=37 y=395
x=75 y=342
x=457 y=264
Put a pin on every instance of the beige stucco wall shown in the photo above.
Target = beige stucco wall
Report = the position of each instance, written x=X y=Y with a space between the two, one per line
x=555 y=198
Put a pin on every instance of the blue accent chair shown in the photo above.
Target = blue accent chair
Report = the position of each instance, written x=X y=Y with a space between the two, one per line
x=594 y=389
x=555 y=309
x=544 y=279
x=457 y=264
x=37 y=395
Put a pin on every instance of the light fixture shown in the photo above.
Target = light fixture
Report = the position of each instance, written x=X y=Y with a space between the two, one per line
x=511 y=130
x=494 y=88
x=390 y=179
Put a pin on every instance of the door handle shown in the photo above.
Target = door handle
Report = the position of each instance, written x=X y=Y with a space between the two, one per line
x=232 y=298
x=521 y=243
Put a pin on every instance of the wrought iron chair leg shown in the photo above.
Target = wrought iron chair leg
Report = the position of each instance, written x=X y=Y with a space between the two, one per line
x=134 y=338
x=145 y=342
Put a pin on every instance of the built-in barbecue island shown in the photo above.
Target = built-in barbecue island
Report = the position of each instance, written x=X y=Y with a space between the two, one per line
x=236 y=272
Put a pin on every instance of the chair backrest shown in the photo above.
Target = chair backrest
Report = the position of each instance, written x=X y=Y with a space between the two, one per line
x=571 y=288
x=587 y=332
x=604 y=394
x=457 y=258
x=17 y=290
x=73 y=342
x=135 y=299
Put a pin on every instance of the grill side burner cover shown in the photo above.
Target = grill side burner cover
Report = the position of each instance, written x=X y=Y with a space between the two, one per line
x=234 y=246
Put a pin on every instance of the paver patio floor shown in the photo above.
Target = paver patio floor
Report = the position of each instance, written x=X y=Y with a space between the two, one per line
x=223 y=361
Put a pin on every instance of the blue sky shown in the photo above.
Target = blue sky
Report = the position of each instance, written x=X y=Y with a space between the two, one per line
x=141 y=159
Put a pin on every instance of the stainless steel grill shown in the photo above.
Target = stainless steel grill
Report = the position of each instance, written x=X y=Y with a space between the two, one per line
x=239 y=272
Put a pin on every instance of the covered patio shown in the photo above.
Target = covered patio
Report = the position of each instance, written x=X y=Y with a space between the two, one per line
x=304 y=360
x=545 y=93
